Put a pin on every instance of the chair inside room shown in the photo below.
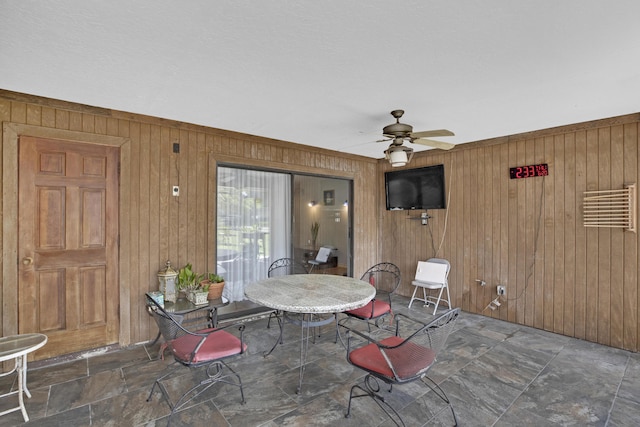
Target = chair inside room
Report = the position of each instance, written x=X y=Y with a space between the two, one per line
x=432 y=275
x=395 y=360
x=385 y=277
x=322 y=257
x=206 y=347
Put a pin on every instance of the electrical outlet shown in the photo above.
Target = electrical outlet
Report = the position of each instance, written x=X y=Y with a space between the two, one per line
x=175 y=191
x=424 y=218
x=502 y=290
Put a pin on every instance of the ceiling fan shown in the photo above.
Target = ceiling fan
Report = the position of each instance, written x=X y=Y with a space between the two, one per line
x=397 y=153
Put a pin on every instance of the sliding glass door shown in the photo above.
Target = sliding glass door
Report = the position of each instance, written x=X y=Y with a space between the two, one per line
x=254 y=225
x=264 y=215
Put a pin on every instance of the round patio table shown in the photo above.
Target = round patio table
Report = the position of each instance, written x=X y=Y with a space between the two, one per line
x=17 y=347
x=309 y=295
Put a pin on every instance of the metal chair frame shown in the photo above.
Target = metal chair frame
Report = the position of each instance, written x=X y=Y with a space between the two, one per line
x=283 y=267
x=195 y=342
x=380 y=305
x=395 y=360
x=289 y=265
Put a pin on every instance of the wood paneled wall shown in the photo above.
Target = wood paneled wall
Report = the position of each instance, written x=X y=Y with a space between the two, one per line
x=528 y=235
x=525 y=234
x=154 y=225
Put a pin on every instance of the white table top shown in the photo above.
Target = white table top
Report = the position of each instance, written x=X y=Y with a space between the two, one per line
x=311 y=293
x=19 y=345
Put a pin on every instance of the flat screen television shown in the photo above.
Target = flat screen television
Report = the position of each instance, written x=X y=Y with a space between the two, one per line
x=420 y=188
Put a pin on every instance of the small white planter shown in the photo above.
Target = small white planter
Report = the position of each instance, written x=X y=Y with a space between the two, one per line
x=200 y=298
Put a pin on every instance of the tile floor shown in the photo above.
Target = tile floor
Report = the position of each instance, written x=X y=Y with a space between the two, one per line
x=495 y=373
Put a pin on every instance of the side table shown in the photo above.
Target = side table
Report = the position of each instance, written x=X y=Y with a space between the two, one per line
x=17 y=347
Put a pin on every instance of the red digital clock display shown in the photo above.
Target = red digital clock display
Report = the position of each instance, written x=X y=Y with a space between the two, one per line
x=529 y=171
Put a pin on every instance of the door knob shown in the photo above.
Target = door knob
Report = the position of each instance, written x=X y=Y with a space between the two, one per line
x=27 y=260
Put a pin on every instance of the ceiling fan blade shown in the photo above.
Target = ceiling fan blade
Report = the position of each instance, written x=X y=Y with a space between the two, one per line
x=435 y=144
x=430 y=133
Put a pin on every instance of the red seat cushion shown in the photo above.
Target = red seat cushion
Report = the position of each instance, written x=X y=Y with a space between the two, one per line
x=407 y=360
x=379 y=308
x=216 y=346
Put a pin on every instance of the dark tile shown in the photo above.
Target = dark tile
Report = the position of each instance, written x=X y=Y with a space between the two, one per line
x=427 y=409
x=518 y=416
x=509 y=364
x=585 y=404
x=254 y=367
x=592 y=354
x=467 y=345
x=630 y=385
x=86 y=390
x=180 y=380
x=536 y=340
x=135 y=355
x=624 y=413
x=265 y=401
x=55 y=374
x=479 y=388
x=494 y=372
x=75 y=417
x=495 y=329
x=318 y=412
x=203 y=415
x=469 y=412
x=460 y=349
x=315 y=382
x=36 y=405
x=143 y=376
x=566 y=374
x=129 y=409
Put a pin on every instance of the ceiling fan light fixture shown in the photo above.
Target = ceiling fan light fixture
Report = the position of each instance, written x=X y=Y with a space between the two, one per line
x=398 y=155
x=398 y=158
x=400 y=132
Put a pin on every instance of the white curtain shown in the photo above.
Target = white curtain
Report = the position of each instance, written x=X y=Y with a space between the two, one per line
x=254 y=225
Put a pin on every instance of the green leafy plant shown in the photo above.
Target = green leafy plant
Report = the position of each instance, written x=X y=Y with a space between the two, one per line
x=214 y=284
x=315 y=226
x=214 y=278
x=209 y=279
x=188 y=280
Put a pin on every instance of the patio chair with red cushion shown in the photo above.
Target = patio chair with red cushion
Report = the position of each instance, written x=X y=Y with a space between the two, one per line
x=396 y=360
x=206 y=347
x=385 y=277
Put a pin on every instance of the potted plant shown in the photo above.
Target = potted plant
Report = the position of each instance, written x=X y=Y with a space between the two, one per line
x=201 y=294
x=188 y=281
x=215 y=285
x=315 y=226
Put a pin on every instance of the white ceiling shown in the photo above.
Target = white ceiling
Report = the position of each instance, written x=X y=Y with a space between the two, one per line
x=327 y=73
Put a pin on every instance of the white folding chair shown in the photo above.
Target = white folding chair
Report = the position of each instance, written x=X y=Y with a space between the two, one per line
x=432 y=274
x=321 y=258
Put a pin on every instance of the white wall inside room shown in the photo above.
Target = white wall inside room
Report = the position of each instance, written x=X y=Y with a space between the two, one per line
x=333 y=218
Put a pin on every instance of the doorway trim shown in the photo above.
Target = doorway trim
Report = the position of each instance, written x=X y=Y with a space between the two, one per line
x=10 y=135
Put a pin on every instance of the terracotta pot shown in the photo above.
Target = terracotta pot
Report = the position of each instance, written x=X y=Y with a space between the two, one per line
x=215 y=290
